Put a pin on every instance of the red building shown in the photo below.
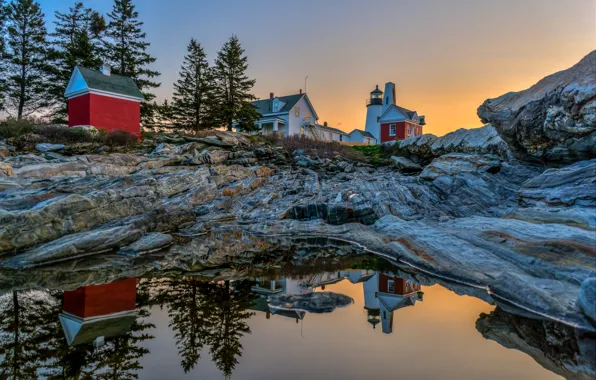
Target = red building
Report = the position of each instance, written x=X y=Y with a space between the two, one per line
x=103 y=100
x=94 y=312
x=398 y=123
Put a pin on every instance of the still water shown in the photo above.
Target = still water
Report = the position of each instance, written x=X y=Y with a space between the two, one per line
x=180 y=326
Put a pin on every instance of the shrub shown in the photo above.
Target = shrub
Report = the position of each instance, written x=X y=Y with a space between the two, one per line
x=121 y=138
x=12 y=127
x=319 y=148
x=62 y=134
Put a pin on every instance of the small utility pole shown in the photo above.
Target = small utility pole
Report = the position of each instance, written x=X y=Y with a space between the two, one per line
x=305 y=84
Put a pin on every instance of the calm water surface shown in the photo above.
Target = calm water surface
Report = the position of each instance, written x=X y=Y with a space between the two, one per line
x=187 y=327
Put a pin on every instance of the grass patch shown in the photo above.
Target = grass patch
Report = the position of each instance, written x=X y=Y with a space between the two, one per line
x=374 y=154
x=315 y=148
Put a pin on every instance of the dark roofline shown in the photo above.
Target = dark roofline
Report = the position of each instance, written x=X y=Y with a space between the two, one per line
x=331 y=129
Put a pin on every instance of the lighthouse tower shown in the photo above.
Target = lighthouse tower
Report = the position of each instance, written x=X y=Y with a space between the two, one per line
x=374 y=107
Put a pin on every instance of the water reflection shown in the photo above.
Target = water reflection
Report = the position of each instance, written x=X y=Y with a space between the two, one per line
x=106 y=330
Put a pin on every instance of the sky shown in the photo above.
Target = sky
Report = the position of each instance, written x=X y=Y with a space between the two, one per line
x=445 y=57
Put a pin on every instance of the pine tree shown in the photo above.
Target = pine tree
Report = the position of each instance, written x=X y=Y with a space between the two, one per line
x=127 y=51
x=27 y=71
x=3 y=12
x=76 y=43
x=233 y=87
x=194 y=91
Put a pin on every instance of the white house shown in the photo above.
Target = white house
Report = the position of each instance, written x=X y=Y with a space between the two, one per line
x=294 y=115
x=360 y=136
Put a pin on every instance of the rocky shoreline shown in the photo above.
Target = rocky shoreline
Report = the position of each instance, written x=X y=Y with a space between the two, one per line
x=507 y=209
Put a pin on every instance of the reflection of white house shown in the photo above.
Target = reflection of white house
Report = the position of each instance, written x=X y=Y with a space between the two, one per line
x=309 y=284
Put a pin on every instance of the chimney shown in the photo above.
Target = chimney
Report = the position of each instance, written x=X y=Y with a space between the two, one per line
x=300 y=91
x=325 y=124
x=271 y=95
x=105 y=69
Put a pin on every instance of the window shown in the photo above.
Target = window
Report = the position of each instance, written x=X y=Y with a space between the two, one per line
x=387 y=100
x=409 y=130
x=341 y=138
x=297 y=111
x=392 y=130
x=390 y=286
x=302 y=131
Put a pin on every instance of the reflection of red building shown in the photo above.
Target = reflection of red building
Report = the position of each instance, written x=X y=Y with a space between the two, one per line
x=384 y=294
x=93 y=312
x=396 y=285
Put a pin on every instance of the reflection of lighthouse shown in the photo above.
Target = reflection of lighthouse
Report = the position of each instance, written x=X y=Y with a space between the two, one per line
x=94 y=312
x=374 y=108
x=371 y=302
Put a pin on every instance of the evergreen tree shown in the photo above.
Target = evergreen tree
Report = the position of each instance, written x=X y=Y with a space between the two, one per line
x=163 y=115
x=76 y=43
x=234 y=86
x=127 y=51
x=3 y=12
x=194 y=91
x=27 y=71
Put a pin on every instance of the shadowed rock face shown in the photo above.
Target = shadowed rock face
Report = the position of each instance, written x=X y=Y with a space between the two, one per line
x=553 y=121
x=554 y=346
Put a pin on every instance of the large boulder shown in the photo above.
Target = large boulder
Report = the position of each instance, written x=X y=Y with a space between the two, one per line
x=405 y=165
x=425 y=148
x=553 y=121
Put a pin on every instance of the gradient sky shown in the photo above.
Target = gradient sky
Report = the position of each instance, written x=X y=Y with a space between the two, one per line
x=445 y=57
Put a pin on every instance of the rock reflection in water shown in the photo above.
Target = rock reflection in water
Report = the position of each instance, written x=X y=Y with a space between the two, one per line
x=109 y=330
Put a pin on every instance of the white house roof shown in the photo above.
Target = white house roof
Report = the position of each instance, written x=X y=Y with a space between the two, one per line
x=397 y=113
x=265 y=106
x=84 y=80
x=363 y=133
x=329 y=129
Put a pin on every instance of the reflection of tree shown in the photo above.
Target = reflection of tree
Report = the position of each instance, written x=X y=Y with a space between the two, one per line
x=19 y=340
x=190 y=317
x=204 y=313
x=230 y=315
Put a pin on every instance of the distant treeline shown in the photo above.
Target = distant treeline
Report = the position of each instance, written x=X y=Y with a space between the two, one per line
x=36 y=66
